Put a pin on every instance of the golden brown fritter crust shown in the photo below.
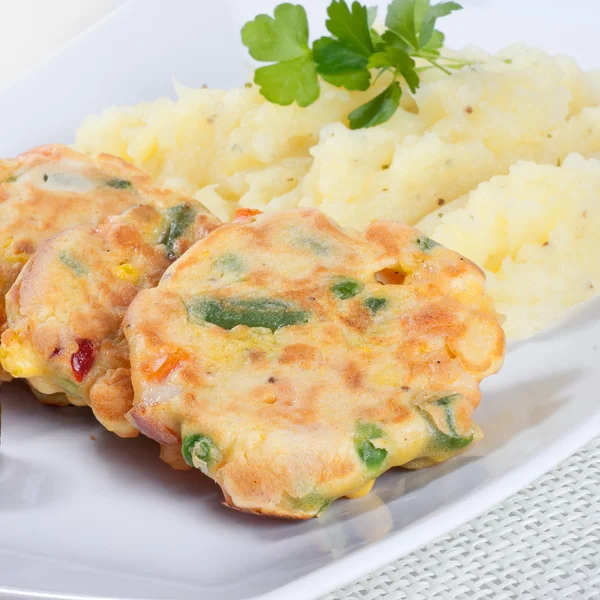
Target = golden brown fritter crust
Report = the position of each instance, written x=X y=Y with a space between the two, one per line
x=66 y=308
x=296 y=361
x=51 y=188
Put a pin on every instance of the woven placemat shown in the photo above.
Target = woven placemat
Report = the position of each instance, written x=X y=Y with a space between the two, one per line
x=541 y=543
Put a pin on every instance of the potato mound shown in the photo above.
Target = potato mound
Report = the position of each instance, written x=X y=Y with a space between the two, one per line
x=536 y=232
x=233 y=149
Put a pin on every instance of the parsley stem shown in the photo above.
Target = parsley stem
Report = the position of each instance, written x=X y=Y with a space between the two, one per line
x=424 y=68
x=429 y=67
x=457 y=60
x=381 y=72
x=437 y=65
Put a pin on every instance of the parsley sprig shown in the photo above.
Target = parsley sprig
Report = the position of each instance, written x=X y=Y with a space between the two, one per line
x=351 y=55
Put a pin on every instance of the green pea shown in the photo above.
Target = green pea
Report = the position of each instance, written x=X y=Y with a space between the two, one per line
x=227 y=313
x=119 y=184
x=371 y=456
x=346 y=288
x=452 y=440
x=375 y=304
x=425 y=243
x=179 y=218
x=201 y=448
x=68 y=260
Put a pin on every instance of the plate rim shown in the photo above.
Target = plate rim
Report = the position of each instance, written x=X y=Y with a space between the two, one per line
x=448 y=518
x=360 y=562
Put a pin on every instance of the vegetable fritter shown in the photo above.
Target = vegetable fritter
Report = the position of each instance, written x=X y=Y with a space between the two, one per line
x=293 y=362
x=51 y=188
x=66 y=308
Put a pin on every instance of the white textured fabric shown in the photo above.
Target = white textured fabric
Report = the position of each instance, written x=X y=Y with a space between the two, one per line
x=541 y=543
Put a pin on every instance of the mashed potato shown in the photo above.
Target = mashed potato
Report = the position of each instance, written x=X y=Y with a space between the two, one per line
x=233 y=148
x=536 y=232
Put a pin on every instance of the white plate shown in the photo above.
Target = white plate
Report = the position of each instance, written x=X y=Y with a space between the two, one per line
x=106 y=518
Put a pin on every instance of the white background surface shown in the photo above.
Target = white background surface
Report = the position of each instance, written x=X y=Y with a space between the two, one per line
x=32 y=30
x=530 y=396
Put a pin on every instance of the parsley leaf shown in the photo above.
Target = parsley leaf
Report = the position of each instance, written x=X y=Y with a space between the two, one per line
x=376 y=38
x=427 y=25
x=347 y=57
x=391 y=39
x=343 y=60
x=340 y=65
x=333 y=57
x=413 y=21
x=350 y=27
x=434 y=45
x=371 y=15
x=378 y=110
x=352 y=80
x=378 y=42
x=284 y=39
x=289 y=81
x=400 y=19
x=400 y=61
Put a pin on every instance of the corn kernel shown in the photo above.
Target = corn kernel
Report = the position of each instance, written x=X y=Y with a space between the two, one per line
x=19 y=360
x=22 y=258
x=127 y=273
x=388 y=377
